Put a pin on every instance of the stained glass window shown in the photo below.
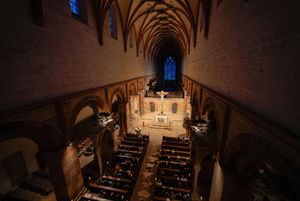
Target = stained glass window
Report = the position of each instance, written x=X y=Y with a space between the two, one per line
x=74 y=6
x=170 y=69
x=112 y=22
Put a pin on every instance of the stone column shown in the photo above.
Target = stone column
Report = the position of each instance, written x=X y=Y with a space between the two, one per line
x=122 y=117
x=65 y=173
x=142 y=94
x=185 y=104
x=197 y=169
x=217 y=183
x=229 y=186
x=236 y=187
x=129 y=113
x=98 y=151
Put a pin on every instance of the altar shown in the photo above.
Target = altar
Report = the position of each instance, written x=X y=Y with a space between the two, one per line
x=161 y=119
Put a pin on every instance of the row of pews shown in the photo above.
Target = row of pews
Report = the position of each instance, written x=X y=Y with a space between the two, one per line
x=173 y=179
x=118 y=179
x=85 y=147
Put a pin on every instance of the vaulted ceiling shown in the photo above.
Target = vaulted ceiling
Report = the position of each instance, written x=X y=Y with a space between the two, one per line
x=158 y=23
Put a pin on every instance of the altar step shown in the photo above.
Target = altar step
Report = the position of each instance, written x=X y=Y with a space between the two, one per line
x=167 y=126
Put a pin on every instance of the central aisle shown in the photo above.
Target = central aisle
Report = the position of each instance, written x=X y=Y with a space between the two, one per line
x=145 y=183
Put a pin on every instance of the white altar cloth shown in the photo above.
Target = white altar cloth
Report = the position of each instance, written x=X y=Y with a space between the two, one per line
x=161 y=119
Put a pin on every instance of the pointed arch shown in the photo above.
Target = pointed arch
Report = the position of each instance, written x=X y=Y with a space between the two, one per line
x=92 y=101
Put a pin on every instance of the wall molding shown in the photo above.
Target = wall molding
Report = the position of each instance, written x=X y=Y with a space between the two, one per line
x=278 y=131
x=57 y=100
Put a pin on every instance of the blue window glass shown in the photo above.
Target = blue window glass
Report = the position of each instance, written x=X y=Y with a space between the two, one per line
x=111 y=21
x=74 y=6
x=170 y=69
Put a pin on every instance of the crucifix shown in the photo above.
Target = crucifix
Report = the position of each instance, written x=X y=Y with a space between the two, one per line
x=162 y=94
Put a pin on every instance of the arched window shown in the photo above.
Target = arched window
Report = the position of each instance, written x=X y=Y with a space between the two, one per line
x=174 y=108
x=152 y=107
x=74 y=7
x=113 y=22
x=170 y=69
x=115 y=107
x=78 y=10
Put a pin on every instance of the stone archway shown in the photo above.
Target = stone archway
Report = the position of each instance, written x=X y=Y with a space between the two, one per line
x=208 y=105
x=133 y=89
x=19 y=160
x=43 y=135
x=118 y=105
x=92 y=101
x=260 y=167
x=83 y=134
x=117 y=95
x=53 y=149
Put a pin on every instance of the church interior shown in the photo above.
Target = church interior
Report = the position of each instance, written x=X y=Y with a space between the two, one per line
x=140 y=100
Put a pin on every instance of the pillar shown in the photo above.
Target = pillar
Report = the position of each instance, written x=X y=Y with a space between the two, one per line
x=229 y=186
x=122 y=117
x=129 y=109
x=98 y=151
x=64 y=171
x=142 y=94
x=236 y=187
x=217 y=183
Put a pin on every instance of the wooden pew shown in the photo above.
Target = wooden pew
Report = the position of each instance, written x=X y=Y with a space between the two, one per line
x=116 y=178
x=176 y=151
x=183 y=158
x=137 y=147
x=183 y=179
x=119 y=177
x=157 y=198
x=176 y=147
x=93 y=196
x=174 y=189
x=176 y=144
x=103 y=187
x=174 y=183
x=132 y=143
x=174 y=170
x=178 y=139
x=129 y=151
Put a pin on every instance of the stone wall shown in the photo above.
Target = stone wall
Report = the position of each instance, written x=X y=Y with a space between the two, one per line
x=61 y=58
x=251 y=57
